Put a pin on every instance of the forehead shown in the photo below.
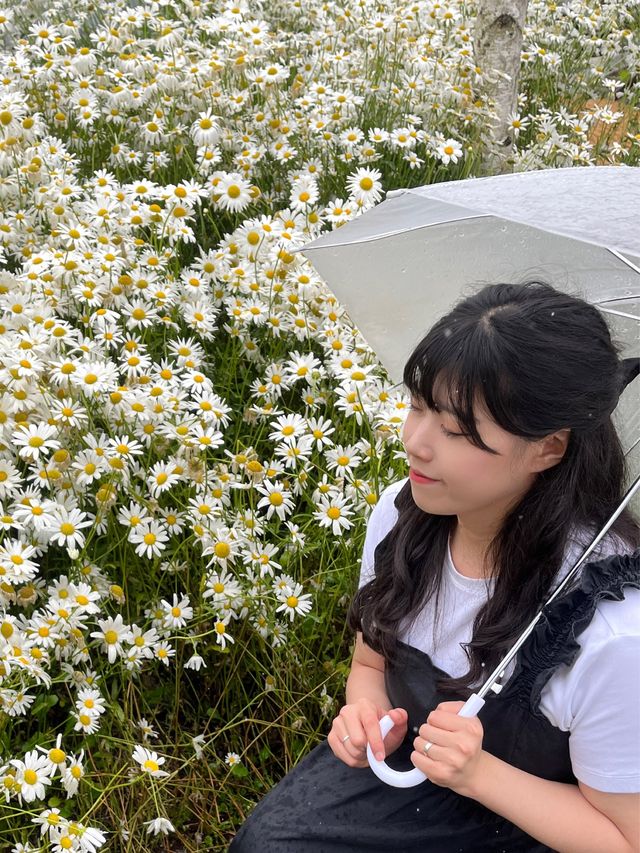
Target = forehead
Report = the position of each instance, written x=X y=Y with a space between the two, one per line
x=447 y=396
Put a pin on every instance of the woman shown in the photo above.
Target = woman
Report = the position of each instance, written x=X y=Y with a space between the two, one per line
x=514 y=466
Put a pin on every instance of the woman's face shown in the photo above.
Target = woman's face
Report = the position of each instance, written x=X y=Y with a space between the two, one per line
x=477 y=486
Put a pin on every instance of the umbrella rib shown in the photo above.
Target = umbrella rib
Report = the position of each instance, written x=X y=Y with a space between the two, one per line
x=616 y=299
x=623 y=259
x=619 y=313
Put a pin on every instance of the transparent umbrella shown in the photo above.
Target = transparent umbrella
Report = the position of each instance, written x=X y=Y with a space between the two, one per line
x=401 y=265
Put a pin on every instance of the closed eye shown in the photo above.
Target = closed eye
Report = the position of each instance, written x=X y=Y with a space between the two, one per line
x=446 y=431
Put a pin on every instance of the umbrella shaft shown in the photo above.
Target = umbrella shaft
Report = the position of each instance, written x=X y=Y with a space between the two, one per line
x=490 y=683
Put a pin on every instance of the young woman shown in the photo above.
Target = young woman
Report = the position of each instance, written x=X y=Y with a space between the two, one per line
x=514 y=466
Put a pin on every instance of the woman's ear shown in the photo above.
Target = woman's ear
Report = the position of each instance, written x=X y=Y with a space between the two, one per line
x=550 y=450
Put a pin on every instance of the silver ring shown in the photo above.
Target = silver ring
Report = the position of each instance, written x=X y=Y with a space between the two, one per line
x=345 y=738
x=427 y=747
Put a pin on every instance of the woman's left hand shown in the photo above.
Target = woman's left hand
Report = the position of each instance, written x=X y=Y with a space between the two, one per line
x=454 y=759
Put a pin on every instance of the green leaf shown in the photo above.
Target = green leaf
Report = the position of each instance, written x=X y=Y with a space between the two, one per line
x=44 y=703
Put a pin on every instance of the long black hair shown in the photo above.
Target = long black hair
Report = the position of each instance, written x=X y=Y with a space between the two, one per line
x=540 y=360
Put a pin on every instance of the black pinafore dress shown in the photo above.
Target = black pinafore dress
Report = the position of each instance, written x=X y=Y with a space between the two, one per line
x=324 y=806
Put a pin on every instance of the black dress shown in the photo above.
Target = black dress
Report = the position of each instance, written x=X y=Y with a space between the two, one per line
x=324 y=806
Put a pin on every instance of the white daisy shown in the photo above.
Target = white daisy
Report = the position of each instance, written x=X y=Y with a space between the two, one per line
x=334 y=512
x=449 y=150
x=32 y=775
x=149 y=761
x=293 y=601
x=36 y=440
x=112 y=633
x=150 y=538
x=364 y=185
x=232 y=191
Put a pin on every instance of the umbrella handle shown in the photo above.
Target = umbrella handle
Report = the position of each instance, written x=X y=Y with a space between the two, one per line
x=409 y=778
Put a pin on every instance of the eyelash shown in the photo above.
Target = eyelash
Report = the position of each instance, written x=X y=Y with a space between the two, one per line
x=446 y=432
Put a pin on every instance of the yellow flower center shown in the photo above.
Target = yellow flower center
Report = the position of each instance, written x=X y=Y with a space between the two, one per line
x=30 y=777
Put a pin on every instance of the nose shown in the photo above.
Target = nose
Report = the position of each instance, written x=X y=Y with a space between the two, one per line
x=419 y=437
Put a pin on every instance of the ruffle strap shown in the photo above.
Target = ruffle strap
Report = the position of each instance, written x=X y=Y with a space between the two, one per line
x=554 y=639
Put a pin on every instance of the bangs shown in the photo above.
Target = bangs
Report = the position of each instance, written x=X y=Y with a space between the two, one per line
x=455 y=371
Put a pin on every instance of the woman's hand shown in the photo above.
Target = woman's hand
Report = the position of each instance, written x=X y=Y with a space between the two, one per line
x=454 y=759
x=360 y=720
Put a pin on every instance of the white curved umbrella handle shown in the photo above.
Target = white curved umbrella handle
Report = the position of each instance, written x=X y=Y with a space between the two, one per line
x=409 y=778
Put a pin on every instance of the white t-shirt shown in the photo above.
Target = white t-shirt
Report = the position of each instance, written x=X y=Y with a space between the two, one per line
x=596 y=699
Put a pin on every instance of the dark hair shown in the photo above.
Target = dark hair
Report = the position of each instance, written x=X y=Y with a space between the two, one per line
x=541 y=360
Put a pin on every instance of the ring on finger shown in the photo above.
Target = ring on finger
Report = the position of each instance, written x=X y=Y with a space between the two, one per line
x=427 y=746
x=345 y=738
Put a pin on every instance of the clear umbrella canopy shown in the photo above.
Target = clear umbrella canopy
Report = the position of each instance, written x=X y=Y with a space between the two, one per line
x=402 y=264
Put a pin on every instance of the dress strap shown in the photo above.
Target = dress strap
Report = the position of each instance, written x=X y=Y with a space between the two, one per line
x=554 y=639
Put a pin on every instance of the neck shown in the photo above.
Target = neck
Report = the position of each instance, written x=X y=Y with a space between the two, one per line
x=469 y=544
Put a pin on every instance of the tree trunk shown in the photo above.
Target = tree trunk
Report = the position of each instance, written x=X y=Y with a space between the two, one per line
x=498 y=45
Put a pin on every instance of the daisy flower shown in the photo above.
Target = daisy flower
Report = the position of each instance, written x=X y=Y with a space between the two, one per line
x=320 y=430
x=35 y=440
x=221 y=586
x=146 y=729
x=150 y=538
x=72 y=775
x=48 y=819
x=276 y=499
x=90 y=699
x=159 y=825
x=16 y=566
x=149 y=761
x=178 y=612
x=288 y=427
x=112 y=633
x=232 y=759
x=449 y=150
x=295 y=453
x=262 y=557
x=304 y=193
x=305 y=366
x=343 y=460
x=195 y=662
x=32 y=775
x=232 y=192
x=161 y=477
x=220 y=627
x=293 y=601
x=164 y=652
x=67 y=525
x=364 y=185
x=334 y=512
x=70 y=413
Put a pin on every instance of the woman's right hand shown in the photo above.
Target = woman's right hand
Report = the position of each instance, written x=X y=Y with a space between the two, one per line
x=360 y=720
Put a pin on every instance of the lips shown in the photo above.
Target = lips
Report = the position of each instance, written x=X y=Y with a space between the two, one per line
x=420 y=474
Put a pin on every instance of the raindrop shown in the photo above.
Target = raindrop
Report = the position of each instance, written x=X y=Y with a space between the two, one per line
x=590 y=414
x=553 y=313
x=447 y=333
